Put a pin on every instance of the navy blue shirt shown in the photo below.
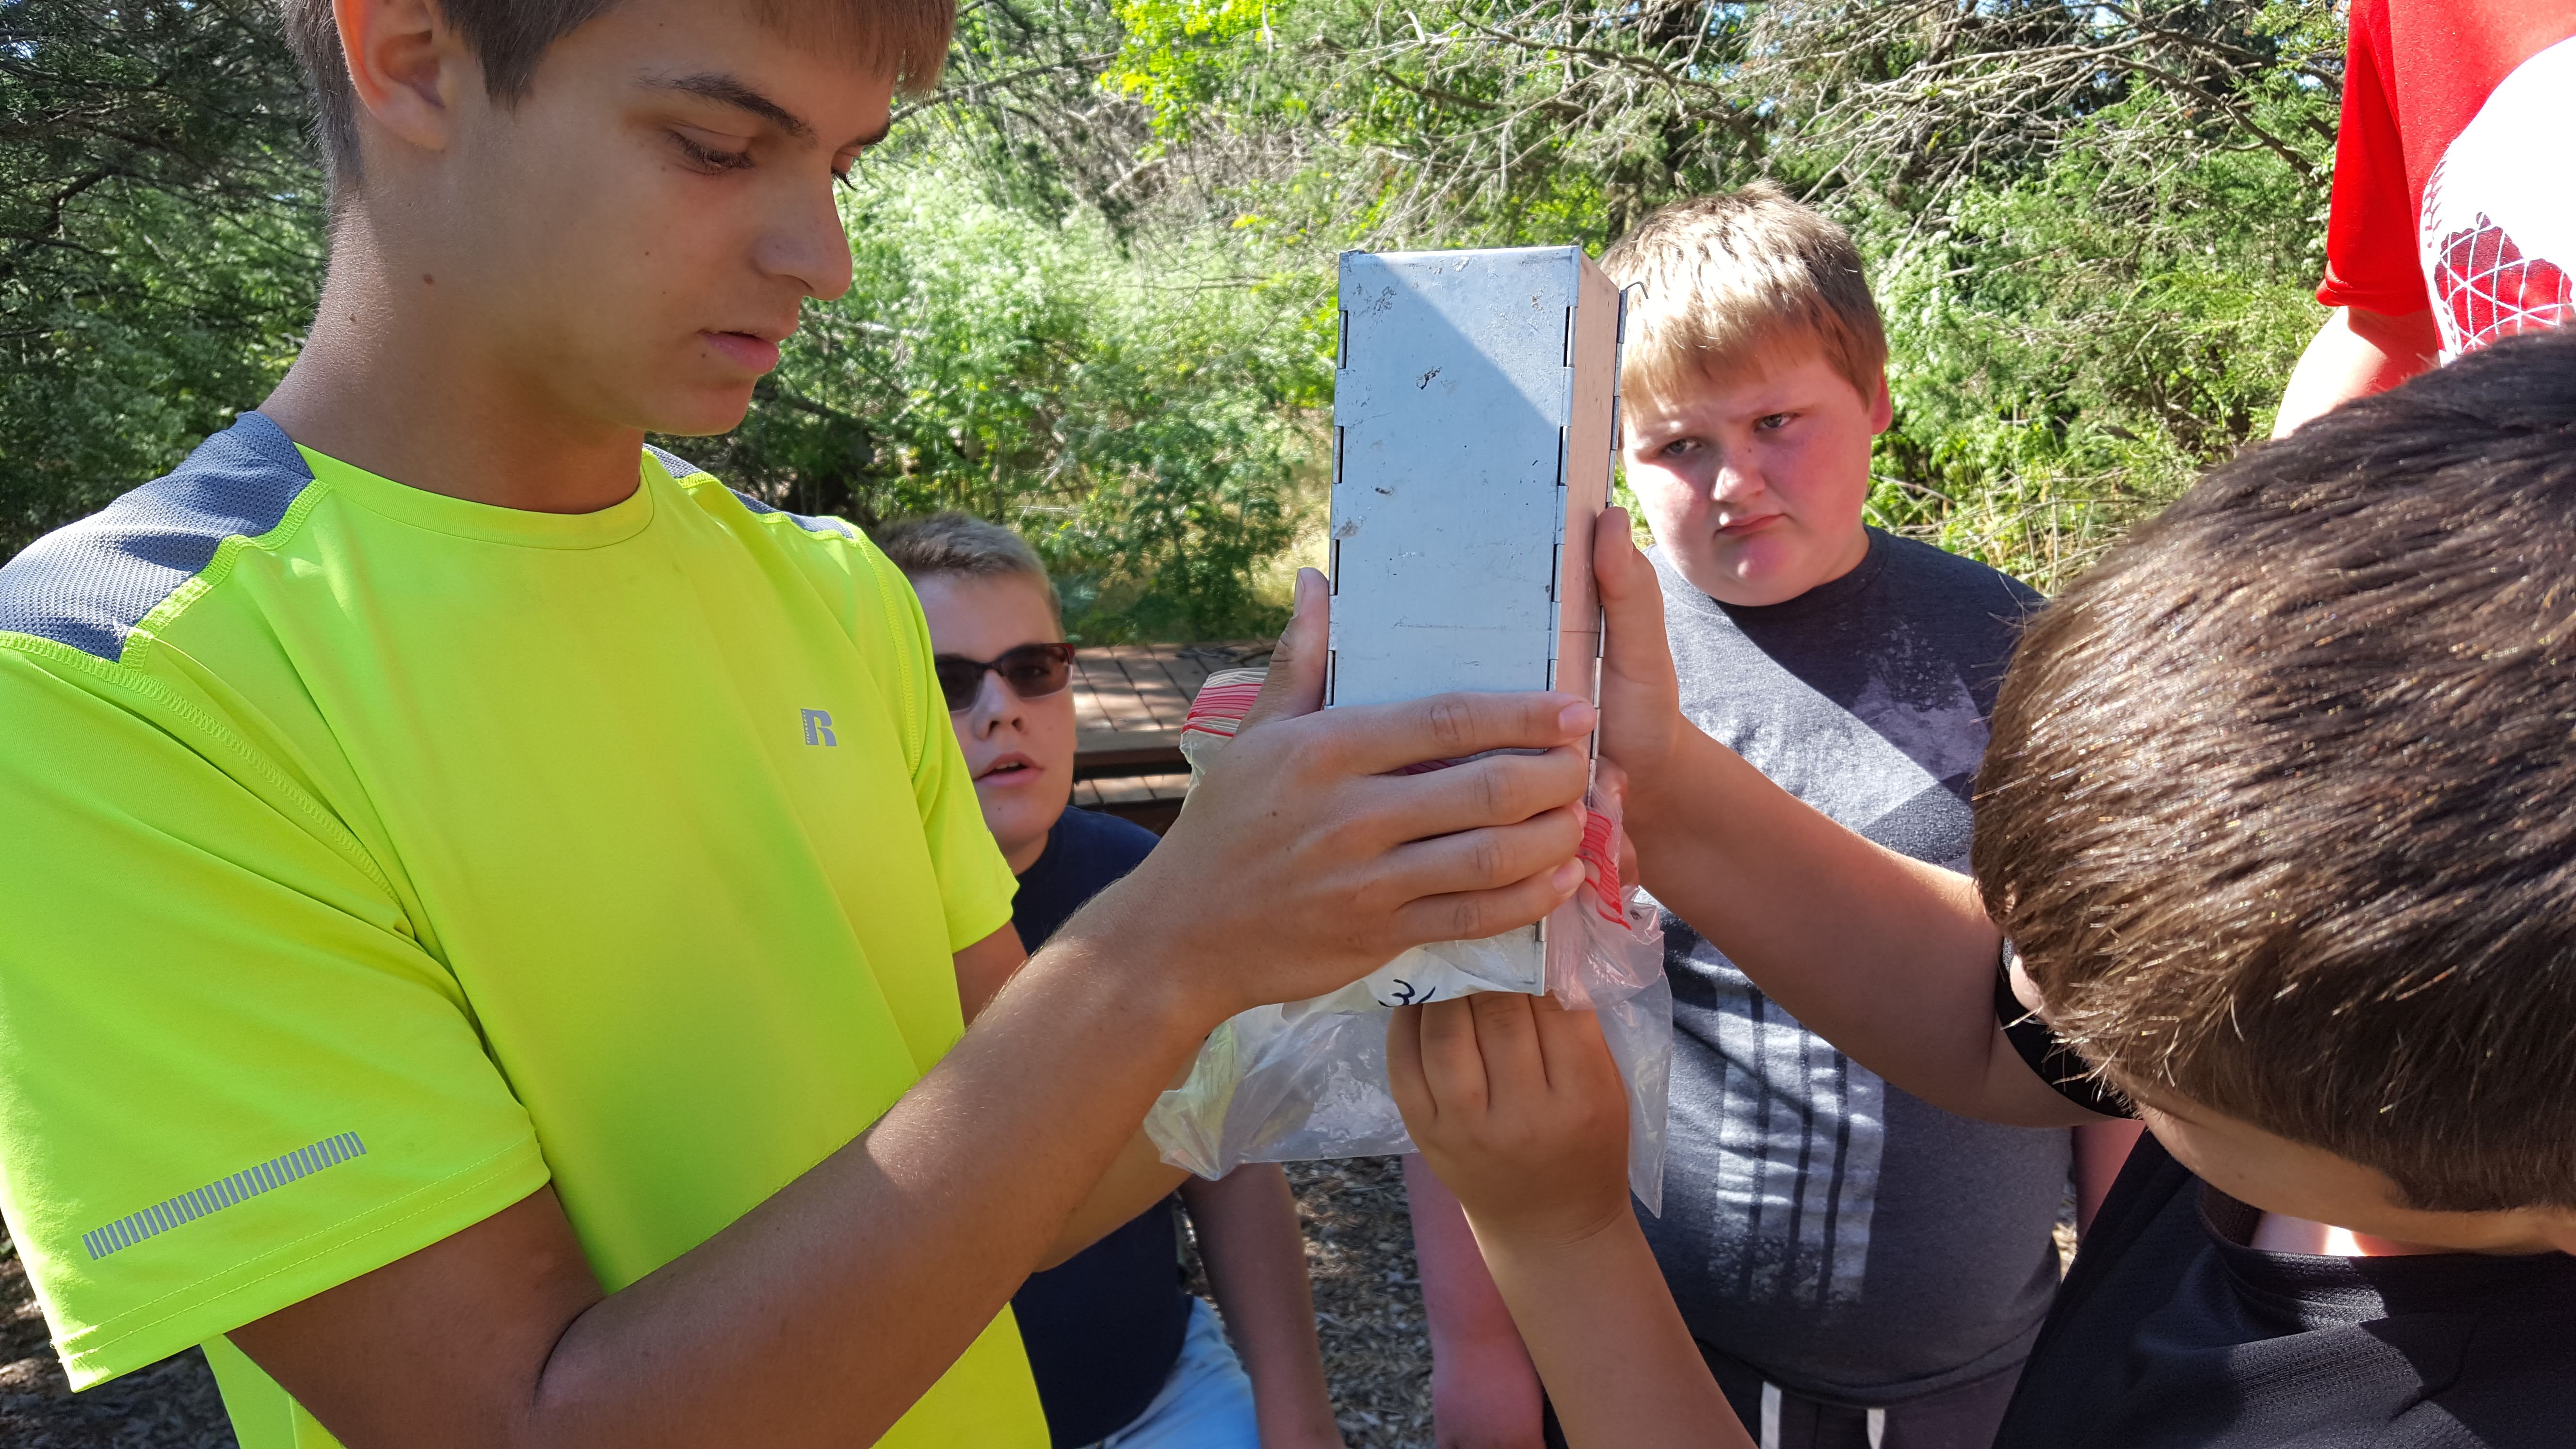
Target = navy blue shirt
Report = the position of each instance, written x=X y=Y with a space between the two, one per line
x=1103 y=1329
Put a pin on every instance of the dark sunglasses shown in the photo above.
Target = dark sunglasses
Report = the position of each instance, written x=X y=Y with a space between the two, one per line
x=1033 y=671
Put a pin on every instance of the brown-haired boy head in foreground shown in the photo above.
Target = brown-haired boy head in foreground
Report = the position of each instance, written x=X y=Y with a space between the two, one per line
x=2281 y=816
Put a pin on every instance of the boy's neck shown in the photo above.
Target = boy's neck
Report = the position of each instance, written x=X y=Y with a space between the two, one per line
x=1022 y=855
x=2275 y=1233
x=402 y=383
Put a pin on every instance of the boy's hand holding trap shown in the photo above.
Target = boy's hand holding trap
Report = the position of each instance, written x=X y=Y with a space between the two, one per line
x=1361 y=863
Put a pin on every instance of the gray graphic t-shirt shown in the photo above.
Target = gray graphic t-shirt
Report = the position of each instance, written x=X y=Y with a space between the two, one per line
x=1849 y=1240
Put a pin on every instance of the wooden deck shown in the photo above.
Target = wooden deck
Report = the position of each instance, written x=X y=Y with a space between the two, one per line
x=1128 y=704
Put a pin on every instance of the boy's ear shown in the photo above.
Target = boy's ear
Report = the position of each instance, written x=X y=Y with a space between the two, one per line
x=1882 y=407
x=406 y=65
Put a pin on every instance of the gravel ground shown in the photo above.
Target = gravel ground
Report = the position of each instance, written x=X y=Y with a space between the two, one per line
x=1368 y=1299
x=171 y=1405
x=1368 y=1305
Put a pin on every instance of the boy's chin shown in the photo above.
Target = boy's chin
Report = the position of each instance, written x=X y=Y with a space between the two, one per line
x=1017 y=814
x=1753 y=586
x=1772 y=571
x=696 y=408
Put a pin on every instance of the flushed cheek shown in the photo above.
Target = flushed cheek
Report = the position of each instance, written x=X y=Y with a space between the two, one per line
x=619 y=338
x=1660 y=491
x=1672 y=511
x=1046 y=724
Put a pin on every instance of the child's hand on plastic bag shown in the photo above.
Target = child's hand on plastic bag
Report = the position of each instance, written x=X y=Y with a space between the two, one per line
x=1300 y=864
x=1515 y=1103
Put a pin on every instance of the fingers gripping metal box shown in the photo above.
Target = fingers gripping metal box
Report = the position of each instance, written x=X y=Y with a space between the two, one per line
x=1475 y=401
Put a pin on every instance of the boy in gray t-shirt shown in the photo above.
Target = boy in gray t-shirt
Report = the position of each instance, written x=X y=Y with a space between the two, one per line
x=1860 y=1268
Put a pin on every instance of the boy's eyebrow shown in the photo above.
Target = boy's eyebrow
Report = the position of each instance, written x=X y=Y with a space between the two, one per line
x=725 y=90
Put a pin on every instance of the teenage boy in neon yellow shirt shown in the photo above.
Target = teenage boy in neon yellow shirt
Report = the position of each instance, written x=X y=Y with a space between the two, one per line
x=471 y=880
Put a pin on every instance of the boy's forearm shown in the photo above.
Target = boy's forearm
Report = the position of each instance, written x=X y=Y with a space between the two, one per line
x=808 y=1277
x=1888 y=958
x=1137 y=1178
x=1620 y=1366
x=1465 y=1310
x=1255 y=1255
x=984 y=968
x=2357 y=352
x=820 y=1315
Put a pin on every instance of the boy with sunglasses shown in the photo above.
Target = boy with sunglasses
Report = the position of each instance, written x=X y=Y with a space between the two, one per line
x=1123 y=1355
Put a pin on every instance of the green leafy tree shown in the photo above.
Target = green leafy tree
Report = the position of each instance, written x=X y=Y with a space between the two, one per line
x=2072 y=348
x=1144 y=419
x=1095 y=272
x=2096 y=226
x=160 y=240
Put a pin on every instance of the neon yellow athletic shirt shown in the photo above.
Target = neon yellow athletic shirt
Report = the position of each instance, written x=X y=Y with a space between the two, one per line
x=371 y=857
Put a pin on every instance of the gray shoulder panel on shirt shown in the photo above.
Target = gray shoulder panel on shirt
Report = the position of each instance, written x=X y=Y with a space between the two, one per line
x=672 y=463
x=805 y=521
x=679 y=467
x=89 y=584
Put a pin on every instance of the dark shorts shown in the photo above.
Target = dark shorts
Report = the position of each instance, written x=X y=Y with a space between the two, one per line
x=1961 y=1417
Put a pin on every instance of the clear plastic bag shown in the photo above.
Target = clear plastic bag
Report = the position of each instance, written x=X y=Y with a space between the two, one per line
x=1308 y=1079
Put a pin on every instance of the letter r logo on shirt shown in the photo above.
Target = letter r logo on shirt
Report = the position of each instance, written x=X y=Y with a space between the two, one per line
x=818 y=727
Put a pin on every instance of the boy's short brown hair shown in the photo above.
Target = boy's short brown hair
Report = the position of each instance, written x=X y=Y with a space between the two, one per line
x=509 y=37
x=2281 y=805
x=963 y=545
x=1725 y=276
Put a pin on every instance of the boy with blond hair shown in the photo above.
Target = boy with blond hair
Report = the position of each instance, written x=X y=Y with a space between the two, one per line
x=1860 y=1267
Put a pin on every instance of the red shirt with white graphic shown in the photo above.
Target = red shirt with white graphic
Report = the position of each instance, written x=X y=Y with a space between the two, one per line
x=2455 y=176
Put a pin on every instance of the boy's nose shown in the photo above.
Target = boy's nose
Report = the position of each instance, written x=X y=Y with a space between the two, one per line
x=807 y=241
x=995 y=704
x=1734 y=481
